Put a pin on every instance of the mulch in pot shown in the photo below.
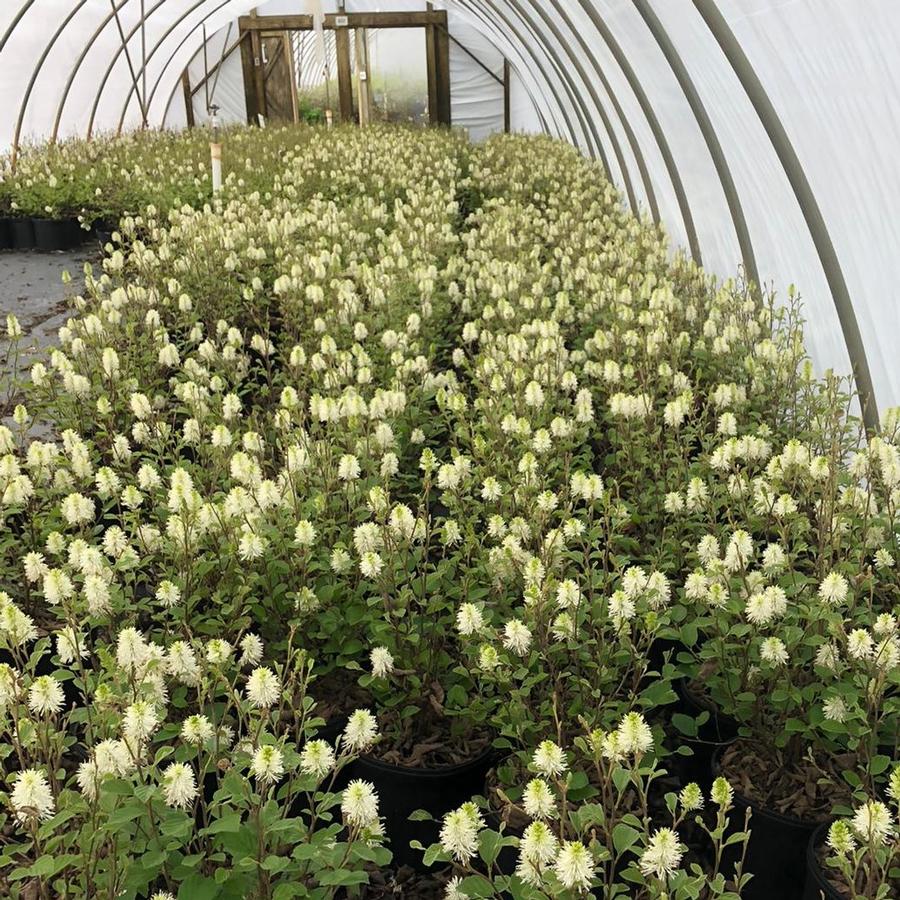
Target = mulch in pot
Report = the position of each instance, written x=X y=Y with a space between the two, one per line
x=824 y=881
x=787 y=804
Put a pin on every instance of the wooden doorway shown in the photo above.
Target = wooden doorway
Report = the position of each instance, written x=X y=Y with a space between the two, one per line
x=279 y=80
x=273 y=65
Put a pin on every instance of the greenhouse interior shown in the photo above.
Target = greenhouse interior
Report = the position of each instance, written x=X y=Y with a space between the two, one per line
x=449 y=450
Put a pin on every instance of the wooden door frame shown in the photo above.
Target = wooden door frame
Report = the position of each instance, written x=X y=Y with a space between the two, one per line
x=437 y=47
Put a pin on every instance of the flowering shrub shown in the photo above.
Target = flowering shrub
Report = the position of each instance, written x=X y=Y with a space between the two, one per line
x=861 y=851
x=444 y=438
x=593 y=829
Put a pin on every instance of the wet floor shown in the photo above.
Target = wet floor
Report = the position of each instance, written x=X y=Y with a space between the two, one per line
x=31 y=287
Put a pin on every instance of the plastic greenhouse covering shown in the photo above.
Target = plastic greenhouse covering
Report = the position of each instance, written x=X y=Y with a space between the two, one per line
x=761 y=132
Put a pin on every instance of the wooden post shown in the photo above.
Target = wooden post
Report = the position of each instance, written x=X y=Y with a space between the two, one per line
x=259 y=72
x=432 y=74
x=188 y=98
x=344 y=73
x=249 y=76
x=292 y=74
x=362 y=75
x=442 y=73
x=507 y=117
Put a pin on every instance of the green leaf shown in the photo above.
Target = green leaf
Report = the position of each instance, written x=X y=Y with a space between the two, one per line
x=624 y=837
x=229 y=823
x=196 y=887
x=489 y=846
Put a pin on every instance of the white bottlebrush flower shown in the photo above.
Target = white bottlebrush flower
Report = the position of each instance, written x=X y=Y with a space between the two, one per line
x=361 y=731
x=662 y=855
x=197 y=730
x=251 y=650
x=574 y=866
x=840 y=838
x=371 y=564
x=691 y=797
x=516 y=637
x=218 y=651
x=168 y=594
x=873 y=823
x=31 y=797
x=139 y=722
x=835 y=709
x=469 y=619
x=348 y=468
x=635 y=736
x=359 y=804
x=549 y=759
x=317 y=758
x=721 y=793
x=538 y=800
x=70 y=645
x=459 y=832
x=179 y=785
x=267 y=765
x=45 y=696
x=304 y=533
x=538 y=847
x=382 y=662
x=834 y=589
x=860 y=644
x=739 y=551
x=773 y=651
x=263 y=688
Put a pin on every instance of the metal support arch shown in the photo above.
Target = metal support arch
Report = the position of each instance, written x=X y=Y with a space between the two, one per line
x=732 y=198
x=624 y=121
x=652 y=120
x=601 y=109
x=806 y=199
x=159 y=44
x=523 y=44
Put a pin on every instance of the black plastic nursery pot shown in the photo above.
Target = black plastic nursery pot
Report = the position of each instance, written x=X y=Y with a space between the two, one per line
x=57 y=234
x=777 y=852
x=22 y=231
x=817 y=884
x=6 y=240
x=403 y=789
x=712 y=736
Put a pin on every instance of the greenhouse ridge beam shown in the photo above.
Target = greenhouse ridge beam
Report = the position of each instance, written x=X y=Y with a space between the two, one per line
x=410 y=19
x=806 y=199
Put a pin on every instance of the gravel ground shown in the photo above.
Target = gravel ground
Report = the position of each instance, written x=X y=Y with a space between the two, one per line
x=31 y=288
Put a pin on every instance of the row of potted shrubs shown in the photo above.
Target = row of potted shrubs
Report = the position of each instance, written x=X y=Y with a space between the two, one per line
x=559 y=509
x=49 y=234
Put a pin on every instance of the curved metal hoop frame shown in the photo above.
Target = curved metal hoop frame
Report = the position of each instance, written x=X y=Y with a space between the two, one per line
x=564 y=92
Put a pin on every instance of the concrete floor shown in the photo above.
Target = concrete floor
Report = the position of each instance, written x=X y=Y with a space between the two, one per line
x=31 y=288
